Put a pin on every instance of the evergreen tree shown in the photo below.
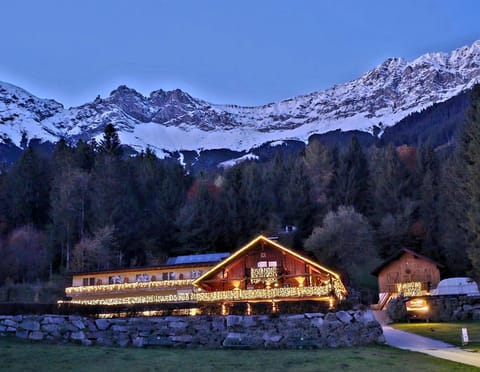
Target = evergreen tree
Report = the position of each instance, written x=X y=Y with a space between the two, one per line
x=469 y=163
x=320 y=172
x=110 y=143
x=201 y=219
x=391 y=182
x=27 y=189
x=453 y=232
x=68 y=199
x=353 y=177
x=84 y=155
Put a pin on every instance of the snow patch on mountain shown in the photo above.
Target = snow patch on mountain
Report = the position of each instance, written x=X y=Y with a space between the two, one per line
x=230 y=163
x=21 y=113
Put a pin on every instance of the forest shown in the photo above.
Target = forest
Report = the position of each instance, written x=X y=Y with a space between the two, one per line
x=88 y=206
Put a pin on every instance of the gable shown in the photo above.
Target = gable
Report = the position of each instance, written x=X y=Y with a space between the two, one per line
x=392 y=260
x=262 y=258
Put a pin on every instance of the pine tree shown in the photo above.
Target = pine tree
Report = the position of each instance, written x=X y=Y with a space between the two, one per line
x=110 y=143
x=469 y=163
x=27 y=188
x=320 y=172
x=453 y=232
x=352 y=179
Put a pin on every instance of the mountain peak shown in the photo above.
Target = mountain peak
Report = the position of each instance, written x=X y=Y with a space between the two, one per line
x=124 y=90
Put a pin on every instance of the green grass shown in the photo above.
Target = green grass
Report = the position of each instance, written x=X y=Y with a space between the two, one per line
x=447 y=332
x=16 y=355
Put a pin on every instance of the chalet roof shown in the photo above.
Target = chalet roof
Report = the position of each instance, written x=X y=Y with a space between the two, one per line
x=197 y=258
x=399 y=254
x=250 y=245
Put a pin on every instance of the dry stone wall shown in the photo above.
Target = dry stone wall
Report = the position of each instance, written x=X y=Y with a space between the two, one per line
x=445 y=308
x=318 y=330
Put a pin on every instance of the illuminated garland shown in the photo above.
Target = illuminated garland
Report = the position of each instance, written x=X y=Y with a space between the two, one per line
x=410 y=288
x=267 y=275
x=127 y=286
x=234 y=295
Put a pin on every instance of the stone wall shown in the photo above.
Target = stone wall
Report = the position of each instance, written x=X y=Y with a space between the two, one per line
x=343 y=328
x=441 y=308
x=450 y=308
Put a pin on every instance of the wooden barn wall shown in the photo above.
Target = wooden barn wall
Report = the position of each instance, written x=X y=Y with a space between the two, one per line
x=240 y=268
x=408 y=269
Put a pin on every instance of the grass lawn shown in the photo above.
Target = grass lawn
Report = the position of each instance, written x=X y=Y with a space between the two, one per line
x=448 y=332
x=16 y=355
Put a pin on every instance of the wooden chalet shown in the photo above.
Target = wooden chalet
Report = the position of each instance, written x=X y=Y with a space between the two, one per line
x=265 y=270
x=261 y=271
x=406 y=273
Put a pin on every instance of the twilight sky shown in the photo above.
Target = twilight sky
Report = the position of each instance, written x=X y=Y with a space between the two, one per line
x=243 y=52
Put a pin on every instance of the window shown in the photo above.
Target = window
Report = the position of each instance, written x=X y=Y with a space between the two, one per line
x=196 y=274
x=262 y=264
x=168 y=276
x=88 y=281
x=142 y=278
x=117 y=279
x=272 y=263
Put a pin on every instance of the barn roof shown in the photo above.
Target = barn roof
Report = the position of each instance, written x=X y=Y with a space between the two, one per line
x=399 y=254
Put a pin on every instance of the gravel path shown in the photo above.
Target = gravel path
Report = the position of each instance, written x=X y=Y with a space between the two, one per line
x=438 y=349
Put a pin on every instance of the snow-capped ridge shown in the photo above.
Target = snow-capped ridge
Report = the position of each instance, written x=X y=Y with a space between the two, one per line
x=174 y=120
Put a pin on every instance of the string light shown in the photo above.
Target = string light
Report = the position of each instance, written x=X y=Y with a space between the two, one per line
x=268 y=275
x=128 y=286
x=189 y=290
x=410 y=288
x=233 y=295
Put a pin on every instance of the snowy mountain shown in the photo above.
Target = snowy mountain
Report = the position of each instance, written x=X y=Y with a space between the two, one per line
x=172 y=121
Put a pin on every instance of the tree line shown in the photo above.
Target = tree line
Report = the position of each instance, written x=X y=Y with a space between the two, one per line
x=90 y=207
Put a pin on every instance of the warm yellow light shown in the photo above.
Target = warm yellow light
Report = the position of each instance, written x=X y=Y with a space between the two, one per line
x=127 y=286
x=236 y=283
x=300 y=280
x=267 y=275
x=193 y=312
x=410 y=288
x=417 y=305
x=234 y=295
x=274 y=307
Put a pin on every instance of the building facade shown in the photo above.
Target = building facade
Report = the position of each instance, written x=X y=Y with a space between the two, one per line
x=406 y=273
x=261 y=271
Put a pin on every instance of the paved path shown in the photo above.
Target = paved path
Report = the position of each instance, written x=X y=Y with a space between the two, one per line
x=438 y=349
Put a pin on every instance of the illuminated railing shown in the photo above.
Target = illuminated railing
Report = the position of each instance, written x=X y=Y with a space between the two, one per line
x=105 y=288
x=233 y=295
x=270 y=293
x=409 y=289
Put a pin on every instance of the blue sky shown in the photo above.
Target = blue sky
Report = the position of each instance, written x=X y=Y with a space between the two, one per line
x=243 y=52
